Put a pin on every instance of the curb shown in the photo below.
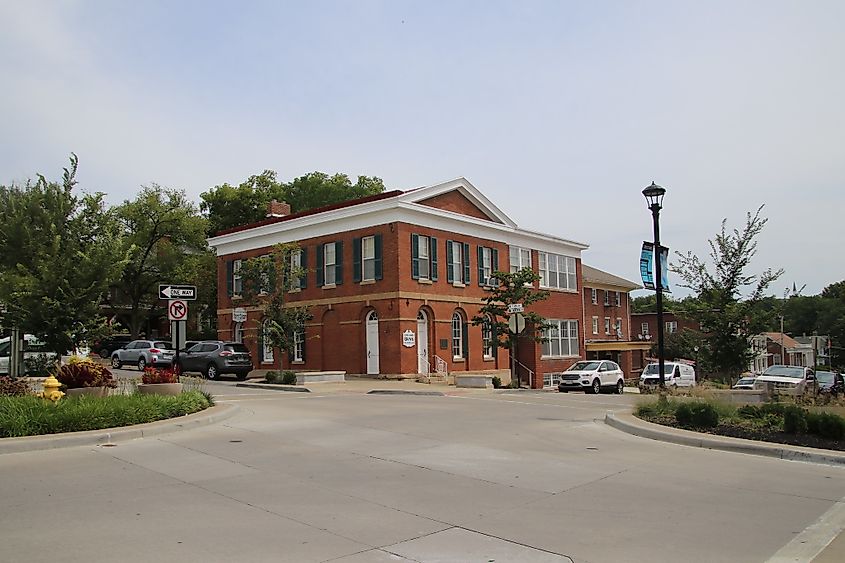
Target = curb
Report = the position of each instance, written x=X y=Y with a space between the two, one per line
x=209 y=416
x=405 y=392
x=633 y=425
x=274 y=387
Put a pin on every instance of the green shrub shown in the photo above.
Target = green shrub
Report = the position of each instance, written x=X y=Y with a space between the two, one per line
x=273 y=377
x=660 y=407
x=30 y=416
x=750 y=411
x=288 y=377
x=794 y=420
x=497 y=382
x=826 y=425
x=697 y=415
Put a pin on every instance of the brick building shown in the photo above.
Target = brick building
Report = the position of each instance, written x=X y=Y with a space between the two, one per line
x=644 y=325
x=393 y=281
x=607 y=321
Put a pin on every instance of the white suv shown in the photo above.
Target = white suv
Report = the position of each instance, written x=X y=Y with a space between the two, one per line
x=143 y=353
x=592 y=376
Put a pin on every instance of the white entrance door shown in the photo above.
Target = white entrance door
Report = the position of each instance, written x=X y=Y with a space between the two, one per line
x=372 y=343
x=422 y=343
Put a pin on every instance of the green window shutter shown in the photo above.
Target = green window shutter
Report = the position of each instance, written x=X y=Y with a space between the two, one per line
x=494 y=264
x=466 y=263
x=303 y=264
x=338 y=260
x=432 y=251
x=415 y=256
x=377 y=243
x=465 y=339
x=320 y=265
x=230 y=282
x=261 y=342
x=356 y=259
x=304 y=341
x=480 y=265
x=450 y=266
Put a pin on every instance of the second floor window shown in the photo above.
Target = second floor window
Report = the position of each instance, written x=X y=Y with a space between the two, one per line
x=607 y=325
x=644 y=328
x=330 y=264
x=594 y=296
x=367 y=258
x=520 y=258
x=457 y=262
x=488 y=262
x=671 y=326
x=423 y=257
x=557 y=271
x=237 y=278
x=618 y=299
x=297 y=269
x=595 y=325
x=607 y=298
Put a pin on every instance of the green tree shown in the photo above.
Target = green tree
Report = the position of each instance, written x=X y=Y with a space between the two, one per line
x=513 y=288
x=267 y=280
x=730 y=304
x=200 y=270
x=160 y=228
x=58 y=254
x=228 y=206
x=831 y=320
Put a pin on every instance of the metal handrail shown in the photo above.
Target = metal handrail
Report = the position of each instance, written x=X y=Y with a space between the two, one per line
x=440 y=366
x=526 y=368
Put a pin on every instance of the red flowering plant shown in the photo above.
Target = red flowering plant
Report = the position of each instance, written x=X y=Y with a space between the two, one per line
x=158 y=375
x=85 y=373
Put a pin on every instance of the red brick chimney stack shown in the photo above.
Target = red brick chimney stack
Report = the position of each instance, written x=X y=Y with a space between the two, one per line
x=278 y=209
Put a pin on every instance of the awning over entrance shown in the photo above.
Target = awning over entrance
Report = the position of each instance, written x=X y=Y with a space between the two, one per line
x=618 y=346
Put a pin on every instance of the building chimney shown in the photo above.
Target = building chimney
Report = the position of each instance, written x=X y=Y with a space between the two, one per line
x=278 y=209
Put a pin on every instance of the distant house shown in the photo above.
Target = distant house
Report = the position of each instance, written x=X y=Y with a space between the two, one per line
x=645 y=325
x=780 y=349
x=819 y=343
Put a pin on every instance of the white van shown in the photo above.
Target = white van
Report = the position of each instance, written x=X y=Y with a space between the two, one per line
x=32 y=349
x=676 y=374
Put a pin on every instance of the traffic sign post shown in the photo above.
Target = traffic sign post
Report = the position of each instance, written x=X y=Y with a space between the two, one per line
x=177 y=310
x=171 y=291
x=516 y=324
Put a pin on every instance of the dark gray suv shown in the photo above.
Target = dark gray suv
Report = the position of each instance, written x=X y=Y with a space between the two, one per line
x=214 y=358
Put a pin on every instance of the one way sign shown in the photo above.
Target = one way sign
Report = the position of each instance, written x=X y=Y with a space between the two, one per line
x=185 y=292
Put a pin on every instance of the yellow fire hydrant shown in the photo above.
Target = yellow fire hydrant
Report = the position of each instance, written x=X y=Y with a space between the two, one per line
x=51 y=389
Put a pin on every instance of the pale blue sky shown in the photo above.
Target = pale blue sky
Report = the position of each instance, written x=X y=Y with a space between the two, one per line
x=560 y=112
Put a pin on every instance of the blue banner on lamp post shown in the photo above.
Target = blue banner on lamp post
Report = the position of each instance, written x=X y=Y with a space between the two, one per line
x=647 y=266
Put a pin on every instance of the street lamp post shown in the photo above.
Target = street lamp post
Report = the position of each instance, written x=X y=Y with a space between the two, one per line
x=654 y=196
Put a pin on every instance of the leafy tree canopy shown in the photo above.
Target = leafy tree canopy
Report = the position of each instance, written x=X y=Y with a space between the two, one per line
x=730 y=302
x=228 y=206
x=58 y=254
x=513 y=288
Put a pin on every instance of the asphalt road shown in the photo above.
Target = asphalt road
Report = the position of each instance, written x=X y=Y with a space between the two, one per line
x=350 y=477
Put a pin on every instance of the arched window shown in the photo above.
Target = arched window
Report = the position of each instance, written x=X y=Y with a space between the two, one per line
x=457 y=336
x=487 y=336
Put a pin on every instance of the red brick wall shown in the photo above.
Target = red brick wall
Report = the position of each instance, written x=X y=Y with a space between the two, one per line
x=651 y=318
x=457 y=202
x=601 y=311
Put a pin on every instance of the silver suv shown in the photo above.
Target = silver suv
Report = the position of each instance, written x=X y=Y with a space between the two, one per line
x=143 y=353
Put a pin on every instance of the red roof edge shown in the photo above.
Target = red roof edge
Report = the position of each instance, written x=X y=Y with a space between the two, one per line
x=316 y=210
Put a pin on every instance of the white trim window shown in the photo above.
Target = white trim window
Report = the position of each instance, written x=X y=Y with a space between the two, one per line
x=456 y=251
x=595 y=325
x=607 y=325
x=368 y=258
x=267 y=346
x=487 y=337
x=619 y=327
x=594 y=296
x=295 y=267
x=671 y=327
x=618 y=299
x=329 y=264
x=520 y=258
x=485 y=266
x=561 y=339
x=298 y=352
x=424 y=257
x=457 y=336
x=557 y=272
x=644 y=329
x=606 y=298
x=237 y=278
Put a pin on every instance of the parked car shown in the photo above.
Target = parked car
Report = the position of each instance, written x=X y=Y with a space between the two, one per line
x=830 y=382
x=108 y=344
x=591 y=376
x=215 y=358
x=675 y=374
x=793 y=379
x=745 y=383
x=34 y=353
x=143 y=353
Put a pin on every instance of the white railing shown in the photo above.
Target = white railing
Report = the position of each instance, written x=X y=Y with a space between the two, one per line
x=440 y=366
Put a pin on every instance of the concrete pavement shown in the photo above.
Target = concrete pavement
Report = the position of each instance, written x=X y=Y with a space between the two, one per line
x=471 y=476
